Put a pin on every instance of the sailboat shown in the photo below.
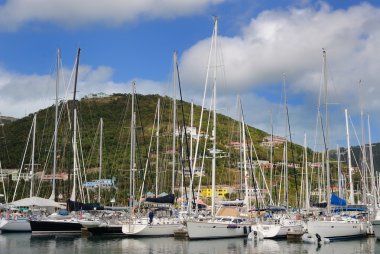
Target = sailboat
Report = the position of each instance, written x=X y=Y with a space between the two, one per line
x=66 y=224
x=282 y=221
x=337 y=226
x=18 y=221
x=227 y=222
x=153 y=225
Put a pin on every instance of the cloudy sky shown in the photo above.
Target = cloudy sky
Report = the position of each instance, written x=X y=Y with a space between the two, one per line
x=259 y=42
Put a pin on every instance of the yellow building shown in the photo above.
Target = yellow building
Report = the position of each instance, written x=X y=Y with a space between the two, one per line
x=220 y=192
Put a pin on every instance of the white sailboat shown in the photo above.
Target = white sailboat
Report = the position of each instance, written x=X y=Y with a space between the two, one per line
x=165 y=224
x=336 y=227
x=18 y=222
x=58 y=224
x=227 y=222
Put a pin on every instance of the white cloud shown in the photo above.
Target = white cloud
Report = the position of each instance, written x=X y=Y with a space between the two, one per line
x=21 y=95
x=291 y=41
x=73 y=13
x=274 y=42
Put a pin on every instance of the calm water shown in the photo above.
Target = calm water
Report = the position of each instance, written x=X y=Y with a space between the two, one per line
x=25 y=244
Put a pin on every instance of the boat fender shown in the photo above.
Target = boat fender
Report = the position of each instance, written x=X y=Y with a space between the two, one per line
x=319 y=239
x=234 y=226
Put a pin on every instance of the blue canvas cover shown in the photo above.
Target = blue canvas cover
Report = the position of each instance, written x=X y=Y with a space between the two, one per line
x=335 y=200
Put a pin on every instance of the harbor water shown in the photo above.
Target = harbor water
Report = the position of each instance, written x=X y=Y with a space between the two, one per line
x=28 y=244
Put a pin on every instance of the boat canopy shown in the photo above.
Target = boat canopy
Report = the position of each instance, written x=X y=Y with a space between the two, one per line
x=335 y=200
x=228 y=212
x=35 y=201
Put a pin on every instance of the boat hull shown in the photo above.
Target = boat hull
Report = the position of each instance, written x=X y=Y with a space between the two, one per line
x=335 y=230
x=55 y=227
x=17 y=225
x=215 y=230
x=154 y=230
x=276 y=230
x=109 y=230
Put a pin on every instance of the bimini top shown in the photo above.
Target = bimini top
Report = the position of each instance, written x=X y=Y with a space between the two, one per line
x=35 y=201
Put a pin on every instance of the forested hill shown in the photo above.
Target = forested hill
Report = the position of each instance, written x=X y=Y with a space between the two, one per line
x=356 y=158
x=115 y=110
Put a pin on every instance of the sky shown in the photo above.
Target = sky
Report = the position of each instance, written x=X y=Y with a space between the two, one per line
x=262 y=45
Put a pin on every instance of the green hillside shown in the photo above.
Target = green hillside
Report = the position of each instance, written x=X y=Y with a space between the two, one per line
x=116 y=113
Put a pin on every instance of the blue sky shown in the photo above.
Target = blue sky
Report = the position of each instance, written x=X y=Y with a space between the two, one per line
x=135 y=40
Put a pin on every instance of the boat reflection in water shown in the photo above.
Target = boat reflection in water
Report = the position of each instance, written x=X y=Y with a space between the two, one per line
x=27 y=244
x=265 y=246
x=365 y=245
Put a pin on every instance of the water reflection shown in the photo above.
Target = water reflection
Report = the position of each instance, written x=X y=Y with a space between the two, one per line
x=25 y=243
x=265 y=246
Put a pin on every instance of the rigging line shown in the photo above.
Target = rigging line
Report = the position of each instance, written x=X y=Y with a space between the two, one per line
x=149 y=149
x=186 y=139
x=72 y=117
x=293 y=160
x=357 y=163
x=256 y=189
x=5 y=141
x=22 y=163
x=143 y=137
x=204 y=148
x=360 y=147
x=121 y=132
x=83 y=162
x=324 y=143
x=204 y=96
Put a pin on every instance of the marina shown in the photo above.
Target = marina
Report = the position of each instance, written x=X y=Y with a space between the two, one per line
x=261 y=139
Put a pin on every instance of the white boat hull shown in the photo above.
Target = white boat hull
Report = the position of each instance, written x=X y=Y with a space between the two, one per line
x=276 y=230
x=337 y=229
x=214 y=230
x=150 y=230
x=17 y=225
x=89 y=223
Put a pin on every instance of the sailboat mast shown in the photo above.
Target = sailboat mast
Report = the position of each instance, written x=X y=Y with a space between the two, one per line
x=158 y=143
x=191 y=133
x=373 y=186
x=307 y=203
x=52 y=196
x=352 y=201
x=33 y=148
x=327 y=134
x=100 y=156
x=340 y=179
x=246 y=198
x=271 y=155
x=3 y=183
x=214 y=122
x=240 y=146
x=174 y=119
x=132 y=158
x=364 y=154
x=286 y=182
x=74 y=105
x=73 y=193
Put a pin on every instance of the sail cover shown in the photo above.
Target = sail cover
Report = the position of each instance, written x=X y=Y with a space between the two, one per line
x=77 y=206
x=168 y=199
x=335 y=200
